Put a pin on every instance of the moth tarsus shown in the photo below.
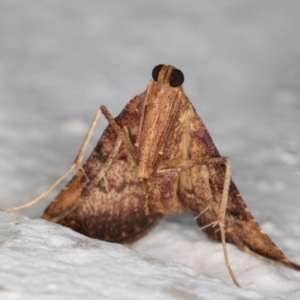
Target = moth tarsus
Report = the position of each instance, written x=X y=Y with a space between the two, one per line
x=156 y=158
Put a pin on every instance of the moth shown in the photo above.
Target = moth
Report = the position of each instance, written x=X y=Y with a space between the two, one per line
x=157 y=158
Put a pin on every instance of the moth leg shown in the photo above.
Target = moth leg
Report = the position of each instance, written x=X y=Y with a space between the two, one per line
x=222 y=211
x=187 y=164
x=132 y=150
x=75 y=164
x=59 y=211
x=116 y=127
x=213 y=224
x=202 y=212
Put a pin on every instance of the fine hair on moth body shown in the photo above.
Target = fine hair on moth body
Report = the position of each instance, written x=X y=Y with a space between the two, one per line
x=156 y=158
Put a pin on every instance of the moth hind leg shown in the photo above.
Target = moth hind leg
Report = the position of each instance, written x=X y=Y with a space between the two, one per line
x=220 y=217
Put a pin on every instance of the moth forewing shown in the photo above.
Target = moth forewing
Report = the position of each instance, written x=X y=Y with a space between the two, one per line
x=111 y=204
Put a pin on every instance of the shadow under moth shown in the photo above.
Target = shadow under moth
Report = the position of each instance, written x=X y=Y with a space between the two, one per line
x=156 y=158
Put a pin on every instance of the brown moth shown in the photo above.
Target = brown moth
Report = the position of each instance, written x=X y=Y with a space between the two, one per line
x=157 y=158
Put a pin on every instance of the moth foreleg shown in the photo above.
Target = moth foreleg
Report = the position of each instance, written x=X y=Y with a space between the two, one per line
x=121 y=133
x=75 y=164
x=182 y=165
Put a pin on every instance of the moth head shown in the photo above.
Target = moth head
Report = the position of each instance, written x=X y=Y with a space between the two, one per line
x=167 y=74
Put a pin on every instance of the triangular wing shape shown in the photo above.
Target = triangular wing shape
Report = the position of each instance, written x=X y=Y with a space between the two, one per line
x=109 y=205
x=201 y=187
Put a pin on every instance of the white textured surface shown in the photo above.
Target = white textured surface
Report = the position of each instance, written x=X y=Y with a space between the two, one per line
x=60 y=60
x=46 y=261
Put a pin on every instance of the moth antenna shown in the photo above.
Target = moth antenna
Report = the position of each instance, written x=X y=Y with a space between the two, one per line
x=75 y=164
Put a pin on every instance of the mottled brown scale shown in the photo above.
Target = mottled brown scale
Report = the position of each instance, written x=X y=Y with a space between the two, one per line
x=113 y=196
x=174 y=165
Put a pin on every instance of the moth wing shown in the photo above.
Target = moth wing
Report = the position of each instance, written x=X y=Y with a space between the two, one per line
x=109 y=205
x=201 y=188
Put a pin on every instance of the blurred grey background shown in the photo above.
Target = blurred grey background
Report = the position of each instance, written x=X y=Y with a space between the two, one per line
x=60 y=60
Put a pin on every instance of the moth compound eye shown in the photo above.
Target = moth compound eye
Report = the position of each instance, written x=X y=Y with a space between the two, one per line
x=155 y=72
x=176 y=78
